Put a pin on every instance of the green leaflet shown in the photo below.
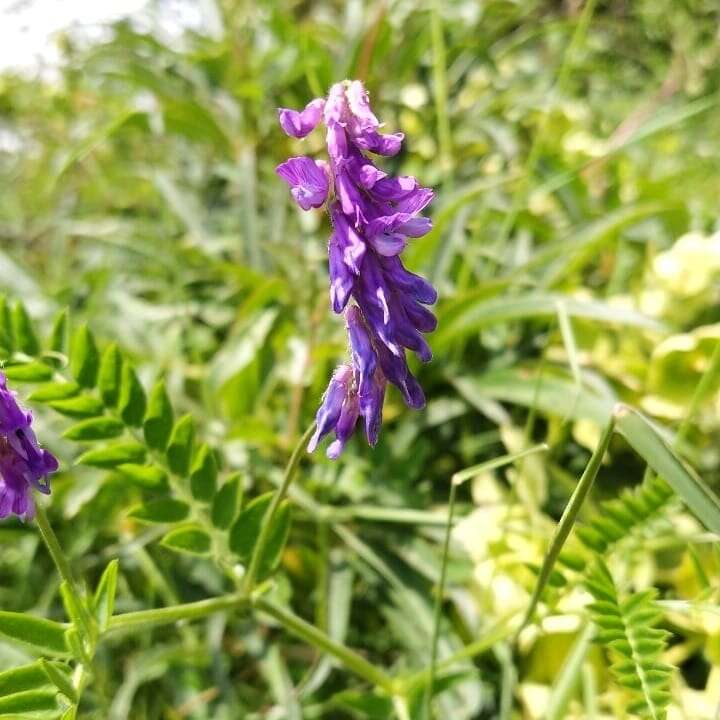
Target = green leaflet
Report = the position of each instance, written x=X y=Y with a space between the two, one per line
x=24 y=338
x=226 y=503
x=191 y=539
x=101 y=428
x=166 y=510
x=80 y=406
x=54 y=391
x=245 y=530
x=30 y=372
x=25 y=677
x=180 y=447
x=43 y=636
x=158 y=422
x=84 y=357
x=203 y=474
x=110 y=456
x=131 y=400
x=109 y=375
x=104 y=599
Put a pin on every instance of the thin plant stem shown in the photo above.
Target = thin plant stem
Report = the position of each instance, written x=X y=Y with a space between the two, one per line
x=570 y=514
x=175 y=613
x=439 y=599
x=316 y=637
x=266 y=526
x=56 y=552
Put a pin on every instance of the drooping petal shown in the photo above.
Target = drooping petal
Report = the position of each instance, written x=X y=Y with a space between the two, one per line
x=415 y=201
x=341 y=277
x=345 y=426
x=415 y=285
x=358 y=101
x=395 y=369
x=371 y=407
x=415 y=227
x=299 y=124
x=394 y=188
x=403 y=223
x=307 y=179
x=420 y=316
x=373 y=297
x=351 y=201
x=374 y=142
x=353 y=247
x=328 y=413
x=388 y=244
x=363 y=353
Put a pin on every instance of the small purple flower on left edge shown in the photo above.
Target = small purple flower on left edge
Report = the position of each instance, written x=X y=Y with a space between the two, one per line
x=24 y=465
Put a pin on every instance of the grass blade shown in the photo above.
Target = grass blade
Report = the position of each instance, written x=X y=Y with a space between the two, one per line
x=648 y=443
x=569 y=516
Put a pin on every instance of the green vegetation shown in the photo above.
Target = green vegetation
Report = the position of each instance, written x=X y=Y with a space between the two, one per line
x=540 y=542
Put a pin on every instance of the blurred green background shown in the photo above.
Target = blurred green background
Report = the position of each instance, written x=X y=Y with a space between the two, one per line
x=575 y=150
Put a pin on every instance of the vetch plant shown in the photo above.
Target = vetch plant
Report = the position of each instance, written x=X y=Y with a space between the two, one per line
x=373 y=217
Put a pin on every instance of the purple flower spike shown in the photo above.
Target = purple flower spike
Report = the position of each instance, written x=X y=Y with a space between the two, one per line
x=307 y=179
x=374 y=216
x=24 y=465
x=299 y=124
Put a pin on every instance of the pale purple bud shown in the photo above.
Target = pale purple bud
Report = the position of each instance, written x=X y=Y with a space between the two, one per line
x=299 y=124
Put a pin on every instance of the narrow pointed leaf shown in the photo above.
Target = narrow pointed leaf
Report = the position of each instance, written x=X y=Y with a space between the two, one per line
x=166 y=510
x=112 y=455
x=131 y=402
x=226 y=503
x=101 y=428
x=646 y=441
x=109 y=375
x=84 y=357
x=104 y=600
x=44 y=636
x=203 y=474
x=159 y=418
x=191 y=540
x=179 y=450
x=24 y=336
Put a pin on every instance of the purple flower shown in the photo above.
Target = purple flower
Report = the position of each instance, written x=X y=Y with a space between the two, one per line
x=374 y=217
x=23 y=464
x=307 y=179
x=339 y=392
x=299 y=124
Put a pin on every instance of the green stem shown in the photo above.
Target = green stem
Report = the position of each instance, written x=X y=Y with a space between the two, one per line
x=56 y=552
x=312 y=635
x=186 y=611
x=439 y=600
x=266 y=527
x=570 y=514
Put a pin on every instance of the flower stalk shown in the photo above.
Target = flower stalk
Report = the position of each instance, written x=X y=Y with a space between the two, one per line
x=267 y=522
